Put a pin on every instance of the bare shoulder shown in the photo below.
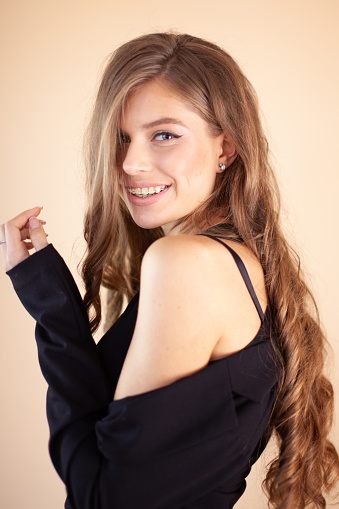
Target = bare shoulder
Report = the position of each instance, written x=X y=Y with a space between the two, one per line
x=193 y=307
x=180 y=256
x=177 y=325
x=201 y=275
x=178 y=275
x=199 y=259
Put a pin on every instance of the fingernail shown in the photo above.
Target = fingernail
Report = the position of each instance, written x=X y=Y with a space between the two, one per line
x=34 y=223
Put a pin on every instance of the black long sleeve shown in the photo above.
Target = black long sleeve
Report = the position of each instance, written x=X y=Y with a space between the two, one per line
x=165 y=449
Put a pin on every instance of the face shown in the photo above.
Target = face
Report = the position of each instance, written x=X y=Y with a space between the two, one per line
x=170 y=161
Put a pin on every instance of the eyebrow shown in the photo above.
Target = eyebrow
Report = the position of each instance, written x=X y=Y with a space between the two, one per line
x=165 y=120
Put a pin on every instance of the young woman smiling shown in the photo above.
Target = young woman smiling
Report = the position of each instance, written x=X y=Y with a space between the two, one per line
x=220 y=344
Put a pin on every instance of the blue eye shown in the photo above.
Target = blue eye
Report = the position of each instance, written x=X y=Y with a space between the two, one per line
x=165 y=136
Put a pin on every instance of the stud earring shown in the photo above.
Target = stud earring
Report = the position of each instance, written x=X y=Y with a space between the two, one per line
x=222 y=167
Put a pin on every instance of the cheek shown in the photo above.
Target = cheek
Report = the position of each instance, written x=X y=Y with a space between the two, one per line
x=188 y=164
x=175 y=163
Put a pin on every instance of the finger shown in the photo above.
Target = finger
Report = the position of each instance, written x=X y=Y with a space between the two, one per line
x=26 y=227
x=3 y=244
x=25 y=234
x=15 y=249
x=21 y=220
x=2 y=232
x=37 y=234
x=14 y=227
x=28 y=245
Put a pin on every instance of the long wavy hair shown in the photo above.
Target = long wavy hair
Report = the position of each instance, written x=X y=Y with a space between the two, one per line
x=244 y=206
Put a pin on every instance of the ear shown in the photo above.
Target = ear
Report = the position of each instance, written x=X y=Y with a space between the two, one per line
x=229 y=152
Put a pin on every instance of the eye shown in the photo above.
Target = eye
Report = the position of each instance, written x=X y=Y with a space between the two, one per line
x=165 y=136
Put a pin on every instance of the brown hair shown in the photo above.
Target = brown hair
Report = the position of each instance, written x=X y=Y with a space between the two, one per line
x=246 y=202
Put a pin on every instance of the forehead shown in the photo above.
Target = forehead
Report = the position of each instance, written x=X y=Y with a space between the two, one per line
x=154 y=100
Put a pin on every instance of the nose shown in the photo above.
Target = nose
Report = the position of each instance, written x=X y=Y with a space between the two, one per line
x=136 y=159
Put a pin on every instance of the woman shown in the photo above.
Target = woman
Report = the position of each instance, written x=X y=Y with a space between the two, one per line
x=222 y=344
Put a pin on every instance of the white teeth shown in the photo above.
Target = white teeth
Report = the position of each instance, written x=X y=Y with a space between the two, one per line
x=146 y=191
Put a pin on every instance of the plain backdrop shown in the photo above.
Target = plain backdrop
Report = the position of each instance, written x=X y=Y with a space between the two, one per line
x=52 y=55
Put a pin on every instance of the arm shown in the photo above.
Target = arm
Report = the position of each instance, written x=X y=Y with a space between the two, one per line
x=179 y=315
x=148 y=451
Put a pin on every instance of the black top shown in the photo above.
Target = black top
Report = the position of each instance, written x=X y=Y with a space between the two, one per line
x=188 y=445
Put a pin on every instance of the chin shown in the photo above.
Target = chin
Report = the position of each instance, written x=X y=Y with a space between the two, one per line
x=148 y=224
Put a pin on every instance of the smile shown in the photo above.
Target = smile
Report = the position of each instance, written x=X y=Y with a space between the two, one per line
x=143 y=192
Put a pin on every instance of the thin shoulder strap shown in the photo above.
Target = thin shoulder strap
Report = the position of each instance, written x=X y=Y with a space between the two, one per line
x=244 y=273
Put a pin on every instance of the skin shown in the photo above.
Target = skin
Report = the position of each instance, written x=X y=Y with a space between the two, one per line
x=184 y=321
x=194 y=306
x=23 y=233
x=179 y=153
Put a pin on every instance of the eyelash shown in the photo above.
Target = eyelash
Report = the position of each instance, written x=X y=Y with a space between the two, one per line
x=124 y=138
x=166 y=133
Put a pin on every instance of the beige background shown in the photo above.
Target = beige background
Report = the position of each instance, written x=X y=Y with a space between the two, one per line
x=52 y=53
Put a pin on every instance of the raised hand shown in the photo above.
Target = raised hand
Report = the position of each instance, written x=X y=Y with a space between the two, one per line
x=19 y=235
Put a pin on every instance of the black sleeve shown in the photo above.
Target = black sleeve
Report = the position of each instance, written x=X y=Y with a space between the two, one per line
x=158 y=450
